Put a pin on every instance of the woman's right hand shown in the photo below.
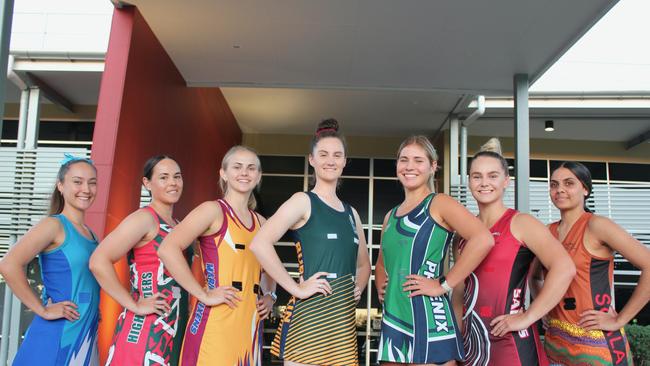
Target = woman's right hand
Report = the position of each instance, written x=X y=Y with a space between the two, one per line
x=222 y=295
x=154 y=304
x=313 y=285
x=63 y=309
x=382 y=291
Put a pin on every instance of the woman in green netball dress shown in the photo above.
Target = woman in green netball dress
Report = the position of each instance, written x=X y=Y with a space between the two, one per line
x=318 y=326
x=418 y=324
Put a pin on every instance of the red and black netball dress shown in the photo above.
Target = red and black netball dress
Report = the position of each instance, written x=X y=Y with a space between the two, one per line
x=496 y=287
x=150 y=339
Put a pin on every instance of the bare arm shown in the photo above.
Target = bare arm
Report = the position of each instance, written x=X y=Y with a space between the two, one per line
x=12 y=267
x=614 y=236
x=131 y=231
x=557 y=262
x=207 y=218
x=266 y=282
x=381 y=280
x=268 y=286
x=266 y=301
x=363 y=260
x=458 y=294
x=536 y=279
x=293 y=211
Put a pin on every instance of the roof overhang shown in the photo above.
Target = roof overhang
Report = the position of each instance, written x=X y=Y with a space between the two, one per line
x=462 y=46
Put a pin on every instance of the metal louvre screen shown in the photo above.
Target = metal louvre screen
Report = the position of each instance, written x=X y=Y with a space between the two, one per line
x=628 y=204
x=145 y=197
x=27 y=178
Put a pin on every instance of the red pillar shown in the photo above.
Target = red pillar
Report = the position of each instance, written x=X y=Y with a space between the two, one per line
x=145 y=109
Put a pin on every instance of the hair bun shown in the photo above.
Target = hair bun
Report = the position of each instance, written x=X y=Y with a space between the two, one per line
x=329 y=124
x=492 y=145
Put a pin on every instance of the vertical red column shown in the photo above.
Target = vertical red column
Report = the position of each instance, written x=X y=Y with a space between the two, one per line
x=145 y=109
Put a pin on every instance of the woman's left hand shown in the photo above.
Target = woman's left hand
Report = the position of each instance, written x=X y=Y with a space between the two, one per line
x=504 y=324
x=420 y=285
x=600 y=320
x=264 y=306
x=357 y=293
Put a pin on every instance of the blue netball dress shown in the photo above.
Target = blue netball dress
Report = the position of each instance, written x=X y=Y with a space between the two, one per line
x=66 y=276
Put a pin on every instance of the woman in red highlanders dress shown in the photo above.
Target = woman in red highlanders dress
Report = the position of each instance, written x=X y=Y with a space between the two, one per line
x=155 y=312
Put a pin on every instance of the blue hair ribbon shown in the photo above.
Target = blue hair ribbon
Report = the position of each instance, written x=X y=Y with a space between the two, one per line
x=69 y=158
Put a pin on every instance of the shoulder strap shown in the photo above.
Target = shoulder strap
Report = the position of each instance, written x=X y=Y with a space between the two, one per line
x=225 y=211
x=314 y=201
x=553 y=229
x=579 y=227
x=225 y=208
x=350 y=211
x=154 y=214
x=508 y=216
x=311 y=195
x=92 y=233
x=430 y=197
x=65 y=223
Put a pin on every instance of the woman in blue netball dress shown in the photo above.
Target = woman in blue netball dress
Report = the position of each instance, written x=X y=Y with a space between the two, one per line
x=64 y=329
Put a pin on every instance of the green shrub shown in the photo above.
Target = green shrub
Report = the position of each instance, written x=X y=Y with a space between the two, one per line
x=639 y=338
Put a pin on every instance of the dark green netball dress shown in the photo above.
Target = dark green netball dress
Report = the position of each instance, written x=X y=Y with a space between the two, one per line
x=321 y=330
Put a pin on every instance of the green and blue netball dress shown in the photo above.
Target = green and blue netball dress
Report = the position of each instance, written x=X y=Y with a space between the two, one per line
x=421 y=329
x=321 y=330
x=66 y=277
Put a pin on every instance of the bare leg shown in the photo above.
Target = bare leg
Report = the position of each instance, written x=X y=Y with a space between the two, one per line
x=448 y=363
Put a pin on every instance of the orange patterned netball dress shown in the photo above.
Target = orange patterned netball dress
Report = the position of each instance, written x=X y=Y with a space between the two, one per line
x=566 y=342
x=219 y=335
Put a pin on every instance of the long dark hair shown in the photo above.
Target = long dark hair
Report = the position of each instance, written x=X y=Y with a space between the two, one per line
x=57 y=202
x=584 y=176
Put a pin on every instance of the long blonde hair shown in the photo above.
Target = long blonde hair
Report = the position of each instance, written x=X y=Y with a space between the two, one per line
x=427 y=146
x=252 y=202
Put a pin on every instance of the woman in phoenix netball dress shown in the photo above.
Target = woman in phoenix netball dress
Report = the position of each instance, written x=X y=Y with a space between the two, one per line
x=225 y=326
x=418 y=324
x=584 y=328
x=497 y=329
x=155 y=311
x=64 y=329
x=318 y=326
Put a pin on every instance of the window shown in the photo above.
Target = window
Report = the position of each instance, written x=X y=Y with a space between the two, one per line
x=629 y=172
